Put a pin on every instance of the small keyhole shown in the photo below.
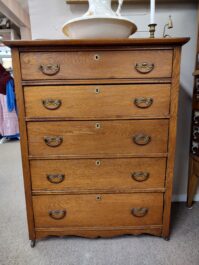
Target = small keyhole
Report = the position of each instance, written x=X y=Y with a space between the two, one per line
x=96 y=57
x=98 y=163
x=97 y=126
x=97 y=90
x=98 y=198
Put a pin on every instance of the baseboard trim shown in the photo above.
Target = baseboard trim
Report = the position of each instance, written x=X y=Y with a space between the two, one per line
x=183 y=198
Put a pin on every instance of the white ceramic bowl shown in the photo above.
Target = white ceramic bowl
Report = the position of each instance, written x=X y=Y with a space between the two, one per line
x=99 y=27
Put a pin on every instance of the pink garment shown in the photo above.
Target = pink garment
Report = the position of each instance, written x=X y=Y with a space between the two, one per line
x=8 y=120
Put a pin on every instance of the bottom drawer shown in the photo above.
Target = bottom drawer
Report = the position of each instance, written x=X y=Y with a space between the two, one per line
x=104 y=210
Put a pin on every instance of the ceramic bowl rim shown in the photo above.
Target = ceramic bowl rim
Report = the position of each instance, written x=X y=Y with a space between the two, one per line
x=65 y=26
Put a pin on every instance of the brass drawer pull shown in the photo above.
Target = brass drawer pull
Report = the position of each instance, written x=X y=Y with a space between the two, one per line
x=55 y=178
x=53 y=141
x=52 y=104
x=144 y=67
x=140 y=176
x=143 y=103
x=49 y=69
x=57 y=214
x=139 y=212
x=142 y=139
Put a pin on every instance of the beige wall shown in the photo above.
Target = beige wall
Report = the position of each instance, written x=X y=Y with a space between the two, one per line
x=47 y=17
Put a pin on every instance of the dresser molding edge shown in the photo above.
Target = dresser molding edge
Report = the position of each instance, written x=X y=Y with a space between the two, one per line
x=116 y=81
x=96 y=232
x=99 y=42
x=151 y=117
x=110 y=191
x=104 y=156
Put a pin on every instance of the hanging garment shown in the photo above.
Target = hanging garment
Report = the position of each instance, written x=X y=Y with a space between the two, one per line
x=8 y=120
x=10 y=95
x=8 y=117
x=4 y=78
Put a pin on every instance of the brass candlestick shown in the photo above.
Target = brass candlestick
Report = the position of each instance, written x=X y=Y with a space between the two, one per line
x=152 y=30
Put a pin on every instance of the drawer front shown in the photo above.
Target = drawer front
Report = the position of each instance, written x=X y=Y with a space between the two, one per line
x=97 y=210
x=74 y=138
x=74 y=102
x=102 y=174
x=96 y=64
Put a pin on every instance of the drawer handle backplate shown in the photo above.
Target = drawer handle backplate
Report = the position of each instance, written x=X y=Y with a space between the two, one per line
x=53 y=141
x=139 y=212
x=140 y=176
x=55 y=178
x=142 y=139
x=57 y=214
x=144 y=67
x=52 y=104
x=143 y=102
x=50 y=69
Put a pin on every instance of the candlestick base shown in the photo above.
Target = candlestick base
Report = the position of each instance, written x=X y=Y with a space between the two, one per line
x=152 y=30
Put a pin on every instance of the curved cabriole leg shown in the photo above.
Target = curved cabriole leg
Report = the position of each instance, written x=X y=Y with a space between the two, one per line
x=32 y=243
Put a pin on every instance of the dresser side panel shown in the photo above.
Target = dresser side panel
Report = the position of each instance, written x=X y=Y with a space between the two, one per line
x=23 y=141
x=172 y=141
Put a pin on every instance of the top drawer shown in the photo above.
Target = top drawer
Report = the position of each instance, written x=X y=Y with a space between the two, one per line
x=96 y=64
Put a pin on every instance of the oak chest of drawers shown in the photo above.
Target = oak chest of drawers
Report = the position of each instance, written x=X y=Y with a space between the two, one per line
x=98 y=128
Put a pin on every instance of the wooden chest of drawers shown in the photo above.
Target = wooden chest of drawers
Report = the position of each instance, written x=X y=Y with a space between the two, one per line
x=98 y=128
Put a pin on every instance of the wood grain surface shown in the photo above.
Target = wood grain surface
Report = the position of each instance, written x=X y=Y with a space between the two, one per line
x=113 y=137
x=171 y=141
x=96 y=232
x=98 y=101
x=100 y=174
x=87 y=211
x=84 y=65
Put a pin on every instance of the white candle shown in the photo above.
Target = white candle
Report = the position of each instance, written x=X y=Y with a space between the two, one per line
x=152 y=14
